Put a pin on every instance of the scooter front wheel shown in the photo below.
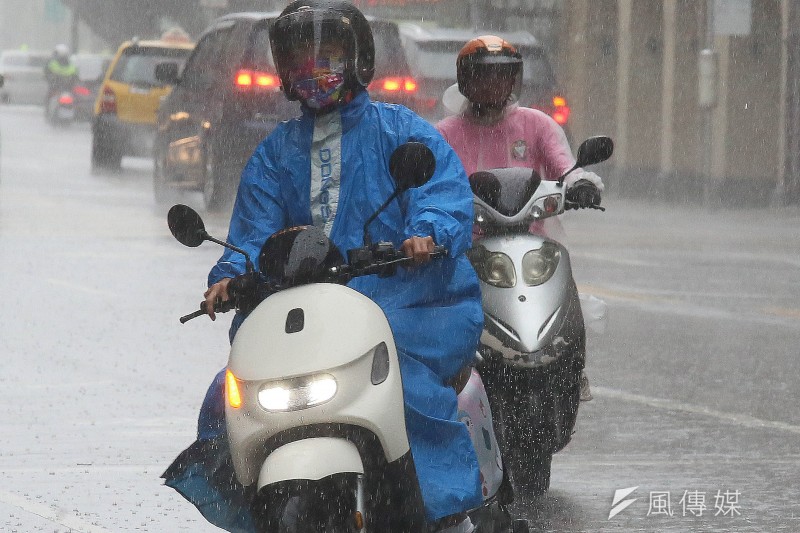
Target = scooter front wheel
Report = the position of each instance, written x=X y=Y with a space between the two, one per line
x=329 y=506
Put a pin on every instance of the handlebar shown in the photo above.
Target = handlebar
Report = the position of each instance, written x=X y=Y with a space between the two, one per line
x=244 y=290
x=221 y=307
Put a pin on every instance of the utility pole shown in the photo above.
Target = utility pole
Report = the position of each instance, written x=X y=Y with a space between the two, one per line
x=707 y=99
x=74 y=33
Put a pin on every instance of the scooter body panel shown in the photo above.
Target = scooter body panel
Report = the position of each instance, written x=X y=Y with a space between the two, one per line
x=522 y=321
x=341 y=331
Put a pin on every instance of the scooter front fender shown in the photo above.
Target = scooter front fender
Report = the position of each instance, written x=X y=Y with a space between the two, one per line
x=311 y=459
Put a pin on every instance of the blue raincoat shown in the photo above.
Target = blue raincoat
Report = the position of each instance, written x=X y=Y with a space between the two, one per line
x=434 y=310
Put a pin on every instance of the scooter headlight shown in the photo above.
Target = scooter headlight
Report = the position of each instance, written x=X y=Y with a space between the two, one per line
x=495 y=268
x=538 y=266
x=298 y=393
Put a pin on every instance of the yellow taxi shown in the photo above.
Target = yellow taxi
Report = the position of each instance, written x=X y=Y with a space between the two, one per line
x=124 y=117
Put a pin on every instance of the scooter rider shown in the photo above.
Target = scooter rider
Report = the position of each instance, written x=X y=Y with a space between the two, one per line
x=329 y=168
x=492 y=131
x=60 y=73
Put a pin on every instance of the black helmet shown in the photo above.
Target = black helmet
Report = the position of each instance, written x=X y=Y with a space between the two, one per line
x=304 y=22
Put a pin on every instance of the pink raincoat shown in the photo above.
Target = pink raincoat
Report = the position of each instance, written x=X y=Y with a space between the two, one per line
x=524 y=137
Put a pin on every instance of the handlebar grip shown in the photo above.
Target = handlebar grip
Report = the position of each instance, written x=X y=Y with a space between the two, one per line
x=222 y=307
x=439 y=251
x=200 y=312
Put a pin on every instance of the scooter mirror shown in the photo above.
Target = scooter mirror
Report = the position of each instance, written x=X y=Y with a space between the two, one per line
x=411 y=165
x=594 y=150
x=186 y=225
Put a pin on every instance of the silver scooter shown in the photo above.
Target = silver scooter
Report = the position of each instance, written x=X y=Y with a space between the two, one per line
x=533 y=343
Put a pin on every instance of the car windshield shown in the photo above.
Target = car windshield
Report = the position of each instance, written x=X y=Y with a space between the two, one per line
x=137 y=64
x=436 y=59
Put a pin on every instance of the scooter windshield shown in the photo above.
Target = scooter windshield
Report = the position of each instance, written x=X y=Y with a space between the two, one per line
x=506 y=190
x=298 y=256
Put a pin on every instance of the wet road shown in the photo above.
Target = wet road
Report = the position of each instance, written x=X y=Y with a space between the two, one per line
x=694 y=377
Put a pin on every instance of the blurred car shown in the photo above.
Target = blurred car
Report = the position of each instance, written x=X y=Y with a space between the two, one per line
x=91 y=71
x=23 y=71
x=124 y=117
x=228 y=99
x=393 y=81
x=432 y=54
x=2 y=81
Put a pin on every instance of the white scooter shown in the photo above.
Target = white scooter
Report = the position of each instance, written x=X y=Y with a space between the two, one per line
x=533 y=342
x=313 y=397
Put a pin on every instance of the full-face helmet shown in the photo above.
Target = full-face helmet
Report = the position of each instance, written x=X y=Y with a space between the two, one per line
x=489 y=71
x=323 y=51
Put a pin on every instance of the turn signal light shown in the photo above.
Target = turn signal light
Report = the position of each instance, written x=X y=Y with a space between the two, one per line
x=232 y=390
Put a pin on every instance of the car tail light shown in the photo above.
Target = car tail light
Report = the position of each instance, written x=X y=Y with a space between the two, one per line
x=560 y=111
x=66 y=99
x=247 y=80
x=394 y=84
x=81 y=91
x=108 y=101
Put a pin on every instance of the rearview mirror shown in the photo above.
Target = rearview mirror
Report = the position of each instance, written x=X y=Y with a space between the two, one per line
x=167 y=73
x=186 y=225
x=411 y=165
x=595 y=150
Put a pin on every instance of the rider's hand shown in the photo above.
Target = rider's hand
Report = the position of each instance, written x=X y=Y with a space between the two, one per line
x=420 y=248
x=583 y=194
x=217 y=293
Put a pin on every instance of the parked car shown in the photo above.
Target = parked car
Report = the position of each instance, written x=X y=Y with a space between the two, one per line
x=91 y=71
x=124 y=116
x=228 y=99
x=432 y=53
x=23 y=71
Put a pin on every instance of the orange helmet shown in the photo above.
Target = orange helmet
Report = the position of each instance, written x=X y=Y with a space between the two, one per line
x=484 y=55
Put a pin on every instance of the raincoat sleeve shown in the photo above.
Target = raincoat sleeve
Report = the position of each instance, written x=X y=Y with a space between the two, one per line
x=442 y=208
x=552 y=144
x=258 y=212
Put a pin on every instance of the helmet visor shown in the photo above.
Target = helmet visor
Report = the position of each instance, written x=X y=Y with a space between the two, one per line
x=313 y=45
x=495 y=82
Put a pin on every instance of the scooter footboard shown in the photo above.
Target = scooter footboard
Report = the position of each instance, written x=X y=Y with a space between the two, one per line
x=311 y=459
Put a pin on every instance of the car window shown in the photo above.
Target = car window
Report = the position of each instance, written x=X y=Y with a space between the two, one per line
x=261 y=51
x=390 y=58
x=90 y=68
x=24 y=60
x=437 y=60
x=208 y=61
x=137 y=64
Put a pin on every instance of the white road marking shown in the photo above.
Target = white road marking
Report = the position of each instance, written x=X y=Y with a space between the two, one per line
x=82 y=288
x=53 y=514
x=672 y=405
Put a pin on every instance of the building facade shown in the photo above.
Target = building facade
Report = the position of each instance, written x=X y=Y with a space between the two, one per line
x=631 y=69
